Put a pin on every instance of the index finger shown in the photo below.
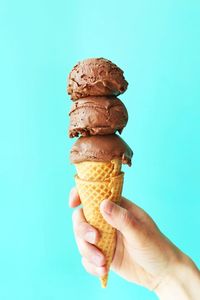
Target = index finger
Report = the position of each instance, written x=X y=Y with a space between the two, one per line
x=74 y=199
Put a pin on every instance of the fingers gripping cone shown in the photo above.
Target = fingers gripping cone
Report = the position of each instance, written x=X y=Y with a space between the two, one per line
x=106 y=183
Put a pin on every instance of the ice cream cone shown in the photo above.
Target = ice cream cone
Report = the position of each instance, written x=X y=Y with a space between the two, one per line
x=92 y=193
x=98 y=171
x=96 y=115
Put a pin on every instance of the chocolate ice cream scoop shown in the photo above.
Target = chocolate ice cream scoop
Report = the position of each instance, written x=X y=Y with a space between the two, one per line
x=101 y=148
x=97 y=115
x=96 y=77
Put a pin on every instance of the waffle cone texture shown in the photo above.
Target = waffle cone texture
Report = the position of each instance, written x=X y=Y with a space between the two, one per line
x=95 y=182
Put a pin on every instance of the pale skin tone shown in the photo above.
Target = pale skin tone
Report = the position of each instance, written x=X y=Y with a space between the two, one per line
x=143 y=255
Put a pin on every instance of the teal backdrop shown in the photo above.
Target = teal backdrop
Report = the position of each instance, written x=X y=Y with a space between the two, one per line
x=157 y=44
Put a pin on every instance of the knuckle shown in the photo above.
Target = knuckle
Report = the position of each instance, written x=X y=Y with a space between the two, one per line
x=84 y=249
x=81 y=247
x=87 y=266
x=81 y=229
x=76 y=218
x=126 y=218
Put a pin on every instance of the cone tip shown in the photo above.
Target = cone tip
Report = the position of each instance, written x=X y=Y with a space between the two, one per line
x=104 y=280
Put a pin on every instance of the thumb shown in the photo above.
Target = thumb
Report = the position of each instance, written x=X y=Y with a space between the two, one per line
x=118 y=217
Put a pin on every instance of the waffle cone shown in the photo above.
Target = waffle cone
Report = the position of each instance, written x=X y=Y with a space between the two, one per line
x=98 y=171
x=92 y=193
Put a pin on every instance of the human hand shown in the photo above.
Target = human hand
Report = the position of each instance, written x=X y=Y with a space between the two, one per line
x=143 y=254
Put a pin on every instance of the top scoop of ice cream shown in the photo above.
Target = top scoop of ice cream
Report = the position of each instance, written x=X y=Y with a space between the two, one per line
x=97 y=115
x=101 y=148
x=96 y=77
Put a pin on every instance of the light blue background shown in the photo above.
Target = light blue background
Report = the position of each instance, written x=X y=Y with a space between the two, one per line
x=157 y=43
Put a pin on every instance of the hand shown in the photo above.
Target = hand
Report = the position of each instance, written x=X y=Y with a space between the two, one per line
x=143 y=254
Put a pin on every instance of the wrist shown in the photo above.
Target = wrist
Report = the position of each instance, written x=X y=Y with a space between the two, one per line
x=181 y=282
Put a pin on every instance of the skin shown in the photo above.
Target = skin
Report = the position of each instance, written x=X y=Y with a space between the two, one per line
x=143 y=255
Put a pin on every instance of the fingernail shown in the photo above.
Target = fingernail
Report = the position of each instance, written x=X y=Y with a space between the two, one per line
x=97 y=259
x=107 y=206
x=90 y=236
